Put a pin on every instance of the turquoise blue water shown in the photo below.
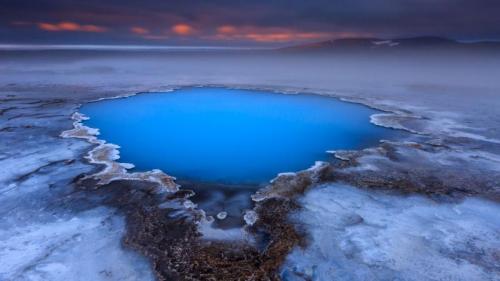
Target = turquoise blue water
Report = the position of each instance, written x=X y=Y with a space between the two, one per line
x=230 y=136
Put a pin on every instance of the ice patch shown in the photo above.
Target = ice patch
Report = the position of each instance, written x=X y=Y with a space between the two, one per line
x=222 y=215
x=188 y=204
x=364 y=235
x=83 y=247
x=250 y=217
x=393 y=121
x=209 y=232
x=284 y=174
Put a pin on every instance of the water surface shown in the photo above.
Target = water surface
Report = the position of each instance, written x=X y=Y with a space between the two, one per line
x=230 y=136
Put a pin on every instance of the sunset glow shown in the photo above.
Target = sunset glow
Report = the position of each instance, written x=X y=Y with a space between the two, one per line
x=226 y=29
x=139 y=30
x=70 y=26
x=244 y=23
x=182 y=29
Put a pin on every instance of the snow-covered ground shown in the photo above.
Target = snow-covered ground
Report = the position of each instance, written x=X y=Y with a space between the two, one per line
x=51 y=230
x=365 y=235
x=85 y=246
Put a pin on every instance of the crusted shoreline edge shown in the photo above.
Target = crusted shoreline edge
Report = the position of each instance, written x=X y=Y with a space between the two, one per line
x=107 y=153
x=165 y=228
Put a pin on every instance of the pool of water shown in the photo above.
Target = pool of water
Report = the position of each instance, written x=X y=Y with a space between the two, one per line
x=230 y=136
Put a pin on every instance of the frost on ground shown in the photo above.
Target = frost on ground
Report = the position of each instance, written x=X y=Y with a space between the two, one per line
x=50 y=230
x=80 y=247
x=358 y=234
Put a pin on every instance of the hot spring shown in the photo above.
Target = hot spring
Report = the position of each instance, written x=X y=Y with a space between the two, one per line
x=218 y=135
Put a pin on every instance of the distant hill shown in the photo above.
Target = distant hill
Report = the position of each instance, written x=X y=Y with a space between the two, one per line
x=387 y=44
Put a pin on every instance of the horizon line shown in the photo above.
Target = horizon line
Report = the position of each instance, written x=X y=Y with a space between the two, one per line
x=41 y=47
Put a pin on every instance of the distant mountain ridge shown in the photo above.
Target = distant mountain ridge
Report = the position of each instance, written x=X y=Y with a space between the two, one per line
x=401 y=43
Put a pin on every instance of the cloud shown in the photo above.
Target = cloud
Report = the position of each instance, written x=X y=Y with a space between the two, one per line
x=226 y=29
x=183 y=29
x=287 y=36
x=275 y=21
x=147 y=34
x=70 y=26
x=139 y=30
x=272 y=35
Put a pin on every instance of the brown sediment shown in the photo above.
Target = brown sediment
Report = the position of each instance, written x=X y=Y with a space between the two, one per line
x=399 y=172
x=161 y=227
x=169 y=237
x=168 y=233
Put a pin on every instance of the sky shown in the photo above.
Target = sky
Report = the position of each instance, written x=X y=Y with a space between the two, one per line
x=241 y=23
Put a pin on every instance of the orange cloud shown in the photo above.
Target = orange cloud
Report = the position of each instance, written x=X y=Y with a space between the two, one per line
x=139 y=30
x=147 y=34
x=70 y=26
x=183 y=29
x=268 y=35
x=226 y=29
